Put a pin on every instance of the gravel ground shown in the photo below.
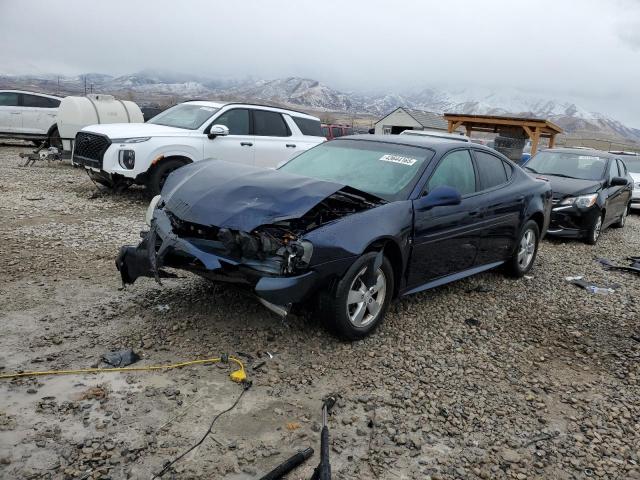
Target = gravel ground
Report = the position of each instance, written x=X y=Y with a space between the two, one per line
x=542 y=383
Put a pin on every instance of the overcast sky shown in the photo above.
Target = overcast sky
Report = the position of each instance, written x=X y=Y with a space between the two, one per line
x=587 y=51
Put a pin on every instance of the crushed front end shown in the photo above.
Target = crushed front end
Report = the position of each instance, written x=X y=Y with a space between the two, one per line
x=273 y=261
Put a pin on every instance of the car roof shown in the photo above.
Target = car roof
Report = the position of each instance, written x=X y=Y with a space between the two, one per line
x=582 y=151
x=439 y=144
x=295 y=113
x=32 y=93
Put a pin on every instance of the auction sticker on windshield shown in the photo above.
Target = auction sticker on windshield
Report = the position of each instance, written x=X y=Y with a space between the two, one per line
x=398 y=159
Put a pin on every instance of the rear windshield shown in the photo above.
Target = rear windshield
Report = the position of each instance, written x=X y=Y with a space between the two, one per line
x=309 y=126
x=184 y=115
x=585 y=166
x=386 y=170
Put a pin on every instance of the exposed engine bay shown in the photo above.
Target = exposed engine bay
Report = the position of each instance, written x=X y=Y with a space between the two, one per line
x=279 y=248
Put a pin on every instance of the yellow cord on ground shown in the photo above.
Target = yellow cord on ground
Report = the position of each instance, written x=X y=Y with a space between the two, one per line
x=238 y=375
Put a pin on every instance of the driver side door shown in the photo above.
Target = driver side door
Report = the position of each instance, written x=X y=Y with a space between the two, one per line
x=238 y=146
x=446 y=239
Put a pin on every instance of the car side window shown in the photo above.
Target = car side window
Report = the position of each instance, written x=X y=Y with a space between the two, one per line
x=236 y=120
x=269 y=124
x=491 y=170
x=455 y=170
x=8 y=99
x=613 y=169
x=39 y=102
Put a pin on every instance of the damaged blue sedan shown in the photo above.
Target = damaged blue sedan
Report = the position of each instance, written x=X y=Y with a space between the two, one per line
x=346 y=226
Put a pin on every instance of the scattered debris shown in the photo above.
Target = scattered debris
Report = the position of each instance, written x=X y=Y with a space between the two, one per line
x=94 y=393
x=121 y=358
x=293 y=426
x=480 y=289
x=634 y=267
x=289 y=464
x=592 y=287
x=472 y=322
x=162 y=308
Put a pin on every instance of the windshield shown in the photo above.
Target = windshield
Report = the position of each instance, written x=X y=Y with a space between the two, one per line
x=386 y=170
x=184 y=115
x=585 y=166
x=632 y=163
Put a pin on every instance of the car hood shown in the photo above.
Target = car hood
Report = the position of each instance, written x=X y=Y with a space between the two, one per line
x=132 y=130
x=563 y=187
x=241 y=197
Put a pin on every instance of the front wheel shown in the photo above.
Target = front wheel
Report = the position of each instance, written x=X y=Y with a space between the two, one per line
x=594 y=232
x=525 y=254
x=360 y=300
x=160 y=174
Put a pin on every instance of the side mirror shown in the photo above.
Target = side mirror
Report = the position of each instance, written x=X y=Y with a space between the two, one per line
x=619 y=182
x=218 y=131
x=438 y=197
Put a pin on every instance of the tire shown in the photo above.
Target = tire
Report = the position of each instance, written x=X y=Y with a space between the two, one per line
x=623 y=218
x=160 y=173
x=526 y=250
x=595 y=231
x=54 y=139
x=341 y=316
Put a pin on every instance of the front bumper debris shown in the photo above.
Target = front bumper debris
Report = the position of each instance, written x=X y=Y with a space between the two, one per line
x=161 y=248
x=572 y=222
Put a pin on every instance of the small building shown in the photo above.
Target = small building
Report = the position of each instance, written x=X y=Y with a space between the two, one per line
x=403 y=118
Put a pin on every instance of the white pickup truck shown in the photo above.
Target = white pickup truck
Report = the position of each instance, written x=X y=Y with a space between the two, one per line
x=118 y=155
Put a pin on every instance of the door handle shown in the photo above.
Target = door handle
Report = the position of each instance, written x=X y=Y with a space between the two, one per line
x=291 y=145
x=246 y=144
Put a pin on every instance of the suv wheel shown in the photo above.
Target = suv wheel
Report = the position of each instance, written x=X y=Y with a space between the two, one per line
x=595 y=231
x=353 y=309
x=525 y=254
x=160 y=174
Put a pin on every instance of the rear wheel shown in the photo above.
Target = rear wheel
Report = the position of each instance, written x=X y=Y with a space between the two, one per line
x=160 y=174
x=623 y=219
x=359 y=302
x=525 y=254
x=594 y=232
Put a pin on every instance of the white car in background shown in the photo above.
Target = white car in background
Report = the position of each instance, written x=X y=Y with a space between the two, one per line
x=632 y=162
x=29 y=116
x=118 y=155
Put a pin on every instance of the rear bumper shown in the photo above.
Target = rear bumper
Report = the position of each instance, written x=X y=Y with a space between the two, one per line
x=160 y=248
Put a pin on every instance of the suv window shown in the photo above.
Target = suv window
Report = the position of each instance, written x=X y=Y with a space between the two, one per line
x=491 y=170
x=236 y=120
x=455 y=170
x=39 y=102
x=269 y=124
x=308 y=126
x=336 y=132
x=8 y=99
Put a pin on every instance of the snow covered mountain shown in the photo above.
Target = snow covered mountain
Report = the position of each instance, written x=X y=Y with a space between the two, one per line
x=153 y=87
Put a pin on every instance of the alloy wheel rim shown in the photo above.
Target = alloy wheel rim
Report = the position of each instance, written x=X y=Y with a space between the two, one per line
x=364 y=304
x=526 y=249
x=597 y=228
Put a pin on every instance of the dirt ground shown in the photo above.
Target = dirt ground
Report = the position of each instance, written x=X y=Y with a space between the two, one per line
x=486 y=378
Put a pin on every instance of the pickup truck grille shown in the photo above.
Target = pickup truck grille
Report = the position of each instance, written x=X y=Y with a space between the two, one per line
x=89 y=149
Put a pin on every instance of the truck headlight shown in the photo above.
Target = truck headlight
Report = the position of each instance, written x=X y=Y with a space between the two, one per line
x=127 y=159
x=152 y=206
x=583 y=201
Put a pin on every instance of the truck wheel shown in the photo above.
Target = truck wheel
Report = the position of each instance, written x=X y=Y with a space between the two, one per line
x=352 y=309
x=522 y=259
x=160 y=174
x=54 y=139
